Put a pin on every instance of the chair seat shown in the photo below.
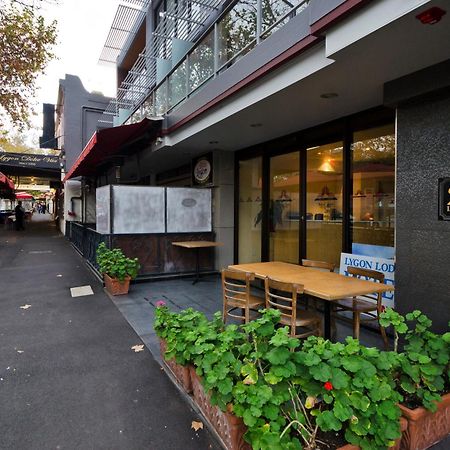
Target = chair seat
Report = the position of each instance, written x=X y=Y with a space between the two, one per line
x=252 y=303
x=358 y=305
x=305 y=318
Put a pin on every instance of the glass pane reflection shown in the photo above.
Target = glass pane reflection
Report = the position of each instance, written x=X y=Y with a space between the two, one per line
x=324 y=203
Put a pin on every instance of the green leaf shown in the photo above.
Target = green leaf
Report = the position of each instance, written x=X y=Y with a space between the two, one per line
x=327 y=421
x=321 y=372
x=278 y=355
x=339 y=379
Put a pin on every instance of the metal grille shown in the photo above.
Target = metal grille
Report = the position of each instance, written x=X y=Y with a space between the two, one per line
x=124 y=26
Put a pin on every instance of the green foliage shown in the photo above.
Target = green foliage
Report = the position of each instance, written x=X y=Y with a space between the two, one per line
x=27 y=43
x=115 y=264
x=422 y=374
x=286 y=391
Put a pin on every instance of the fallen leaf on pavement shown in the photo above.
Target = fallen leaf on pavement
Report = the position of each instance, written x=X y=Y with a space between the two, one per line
x=25 y=306
x=197 y=425
x=138 y=348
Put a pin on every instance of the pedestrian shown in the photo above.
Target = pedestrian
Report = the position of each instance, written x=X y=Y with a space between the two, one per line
x=20 y=214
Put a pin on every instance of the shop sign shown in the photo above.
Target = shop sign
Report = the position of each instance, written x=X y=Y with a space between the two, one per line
x=29 y=160
x=444 y=198
x=202 y=170
x=385 y=266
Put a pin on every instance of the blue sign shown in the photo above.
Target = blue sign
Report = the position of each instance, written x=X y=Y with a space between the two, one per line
x=383 y=265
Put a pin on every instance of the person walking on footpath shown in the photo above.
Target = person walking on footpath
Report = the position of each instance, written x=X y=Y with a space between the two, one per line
x=20 y=215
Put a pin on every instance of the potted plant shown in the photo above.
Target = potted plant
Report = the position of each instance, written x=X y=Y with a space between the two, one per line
x=422 y=377
x=116 y=268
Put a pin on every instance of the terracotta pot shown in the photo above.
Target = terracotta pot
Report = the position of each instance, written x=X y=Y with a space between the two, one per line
x=230 y=428
x=116 y=287
x=426 y=428
x=181 y=373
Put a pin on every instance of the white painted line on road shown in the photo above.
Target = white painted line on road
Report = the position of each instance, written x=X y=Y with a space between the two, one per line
x=81 y=291
x=39 y=252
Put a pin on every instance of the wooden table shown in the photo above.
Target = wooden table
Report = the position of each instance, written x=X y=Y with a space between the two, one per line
x=197 y=245
x=328 y=286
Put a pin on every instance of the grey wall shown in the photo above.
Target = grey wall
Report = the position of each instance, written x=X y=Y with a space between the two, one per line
x=81 y=112
x=422 y=241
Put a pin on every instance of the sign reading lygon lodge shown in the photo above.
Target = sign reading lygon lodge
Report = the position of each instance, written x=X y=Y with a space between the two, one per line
x=29 y=160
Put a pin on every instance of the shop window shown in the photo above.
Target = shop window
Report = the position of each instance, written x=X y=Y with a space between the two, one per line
x=324 y=180
x=250 y=210
x=284 y=207
x=373 y=200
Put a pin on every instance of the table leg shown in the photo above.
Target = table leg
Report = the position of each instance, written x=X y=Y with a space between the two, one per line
x=327 y=317
x=197 y=266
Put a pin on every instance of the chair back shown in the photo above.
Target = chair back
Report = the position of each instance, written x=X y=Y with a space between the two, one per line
x=283 y=297
x=236 y=286
x=370 y=275
x=318 y=264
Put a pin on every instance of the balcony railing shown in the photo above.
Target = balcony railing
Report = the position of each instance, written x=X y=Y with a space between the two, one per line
x=234 y=33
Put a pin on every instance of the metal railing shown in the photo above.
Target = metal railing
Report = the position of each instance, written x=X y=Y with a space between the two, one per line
x=86 y=240
x=143 y=95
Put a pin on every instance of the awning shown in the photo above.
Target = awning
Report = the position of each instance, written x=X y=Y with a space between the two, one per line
x=106 y=143
x=5 y=182
x=24 y=196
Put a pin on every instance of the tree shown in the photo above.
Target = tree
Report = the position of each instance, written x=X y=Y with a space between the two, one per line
x=26 y=49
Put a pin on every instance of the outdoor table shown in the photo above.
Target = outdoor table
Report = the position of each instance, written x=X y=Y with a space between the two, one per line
x=328 y=286
x=197 y=245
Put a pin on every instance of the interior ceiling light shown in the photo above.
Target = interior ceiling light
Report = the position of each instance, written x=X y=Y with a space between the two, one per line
x=431 y=16
x=329 y=95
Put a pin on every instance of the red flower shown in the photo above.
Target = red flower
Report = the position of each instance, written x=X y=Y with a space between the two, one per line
x=328 y=386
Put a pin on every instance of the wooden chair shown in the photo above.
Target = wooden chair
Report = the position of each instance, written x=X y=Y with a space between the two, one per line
x=370 y=305
x=236 y=295
x=283 y=296
x=320 y=265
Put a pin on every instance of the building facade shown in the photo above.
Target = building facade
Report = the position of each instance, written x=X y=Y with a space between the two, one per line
x=324 y=125
x=77 y=117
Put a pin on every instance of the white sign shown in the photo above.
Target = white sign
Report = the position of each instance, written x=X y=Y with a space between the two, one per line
x=385 y=266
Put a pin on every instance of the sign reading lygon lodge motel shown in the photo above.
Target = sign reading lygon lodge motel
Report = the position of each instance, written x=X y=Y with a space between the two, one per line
x=29 y=160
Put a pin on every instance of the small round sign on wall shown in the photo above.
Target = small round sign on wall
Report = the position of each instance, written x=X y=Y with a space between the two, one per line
x=202 y=171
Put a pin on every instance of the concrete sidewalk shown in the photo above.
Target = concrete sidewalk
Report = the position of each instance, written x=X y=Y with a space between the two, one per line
x=68 y=376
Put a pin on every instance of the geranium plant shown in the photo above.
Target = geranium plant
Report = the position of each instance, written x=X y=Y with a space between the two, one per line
x=422 y=375
x=115 y=264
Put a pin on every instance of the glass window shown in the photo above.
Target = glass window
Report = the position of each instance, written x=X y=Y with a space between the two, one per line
x=284 y=208
x=161 y=99
x=177 y=85
x=273 y=10
x=373 y=202
x=201 y=62
x=236 y=30
x=148 y=107
x=250 y=210
x=324 y=180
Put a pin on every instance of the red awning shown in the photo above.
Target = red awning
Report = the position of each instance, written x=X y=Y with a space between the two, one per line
x=106 y=143
x=24 y=196
x=6 y=182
